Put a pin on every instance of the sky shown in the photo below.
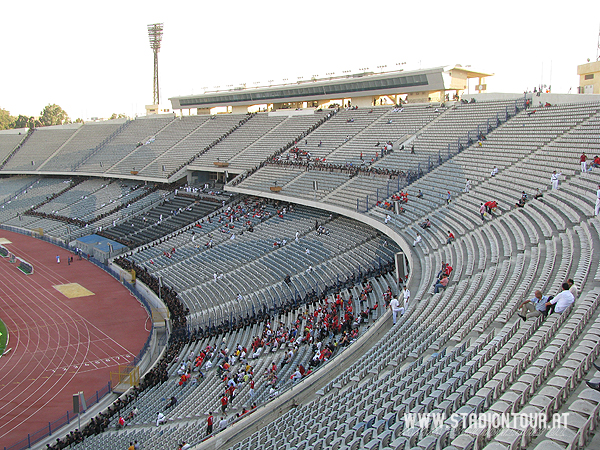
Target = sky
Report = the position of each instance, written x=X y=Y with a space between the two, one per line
x=94 y=58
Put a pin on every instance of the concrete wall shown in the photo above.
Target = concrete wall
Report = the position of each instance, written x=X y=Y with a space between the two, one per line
x=292 y=112
x=239 y=109
x=363 y=102
x=418 y=97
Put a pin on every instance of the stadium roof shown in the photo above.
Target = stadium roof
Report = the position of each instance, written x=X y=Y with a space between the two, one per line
x=355 y=85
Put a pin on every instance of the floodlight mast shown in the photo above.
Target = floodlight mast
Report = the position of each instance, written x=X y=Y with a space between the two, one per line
x=155 y=32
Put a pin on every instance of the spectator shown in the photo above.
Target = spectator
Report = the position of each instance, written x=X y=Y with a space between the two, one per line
x=172 y=402
x=554 y=180
x=419 y=194
x=562 y=301
x=426 y=224
x=396 y=308
x=596 y=162
x=417 y=240
x=441 y=283
x=209 y=424
x=573 y=289
x=597 y=207
x=160 y=418
x=224 y=402
x=538 y=194
x=482 y=212
x=467 y=185
x=406 y=294
x=533 y=307
x=490 y=207
x=223 y=423
x=582 y=160
x=494 y=171
x=451 y=237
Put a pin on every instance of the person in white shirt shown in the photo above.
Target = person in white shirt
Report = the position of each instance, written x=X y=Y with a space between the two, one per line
x=417 y=240
x=494 y=171
x=396 y=308
x=406 y=294
x=561 y=301
x=160 y=418
x=223 y=423
x=468 y=185
x=554 y=179
x=597 y=208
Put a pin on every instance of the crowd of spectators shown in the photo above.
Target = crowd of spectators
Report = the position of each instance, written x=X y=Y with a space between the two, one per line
x=288 y=146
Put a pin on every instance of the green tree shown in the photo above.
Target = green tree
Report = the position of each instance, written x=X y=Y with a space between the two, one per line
x=21 y=121
x=6 y=120
x=79 y=120
x=53 y=115
x=117 y=116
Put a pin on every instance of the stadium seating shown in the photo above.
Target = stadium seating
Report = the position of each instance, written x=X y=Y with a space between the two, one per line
x=462 y=350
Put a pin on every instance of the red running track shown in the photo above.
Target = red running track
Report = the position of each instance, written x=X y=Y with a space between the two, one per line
x=60 y=346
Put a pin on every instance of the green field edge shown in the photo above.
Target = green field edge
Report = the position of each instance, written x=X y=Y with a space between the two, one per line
x=3 y=337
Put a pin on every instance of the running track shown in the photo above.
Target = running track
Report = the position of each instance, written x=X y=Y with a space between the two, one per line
x=59 y=346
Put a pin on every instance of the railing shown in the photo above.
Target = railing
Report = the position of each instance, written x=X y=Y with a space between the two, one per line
x=17 y=148
x=101 y=145
x=19 y=192
x=66 y=419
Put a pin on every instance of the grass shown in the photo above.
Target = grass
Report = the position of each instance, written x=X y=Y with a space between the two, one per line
x=3 y=337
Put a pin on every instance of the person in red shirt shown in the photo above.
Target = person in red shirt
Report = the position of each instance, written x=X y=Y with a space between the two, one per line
x=448 y=270
x=582 y=160
x=209 y=424
x=224 y=403
x=491 y=206
x=450 y=237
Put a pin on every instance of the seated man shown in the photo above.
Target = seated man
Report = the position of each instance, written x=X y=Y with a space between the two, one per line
x=160 y=418
x=442 y=283
x=534 y=307
x=417 y=240
x=426 y=224
x=520 y=203
x=494 y=171
x=450 y=237
x=419 y=194
x=562 y=301
x=596 y=162
x=538 y=194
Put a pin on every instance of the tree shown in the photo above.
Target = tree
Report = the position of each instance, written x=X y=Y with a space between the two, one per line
x=6 y=120
x=79 y=120
x=21 y=121
x=53 y=115
x=117 y=116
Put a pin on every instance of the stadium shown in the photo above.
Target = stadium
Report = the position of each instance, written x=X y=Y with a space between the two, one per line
x=340 y=263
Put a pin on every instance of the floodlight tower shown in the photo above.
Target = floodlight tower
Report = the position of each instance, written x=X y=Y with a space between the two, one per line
x=155 y=32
